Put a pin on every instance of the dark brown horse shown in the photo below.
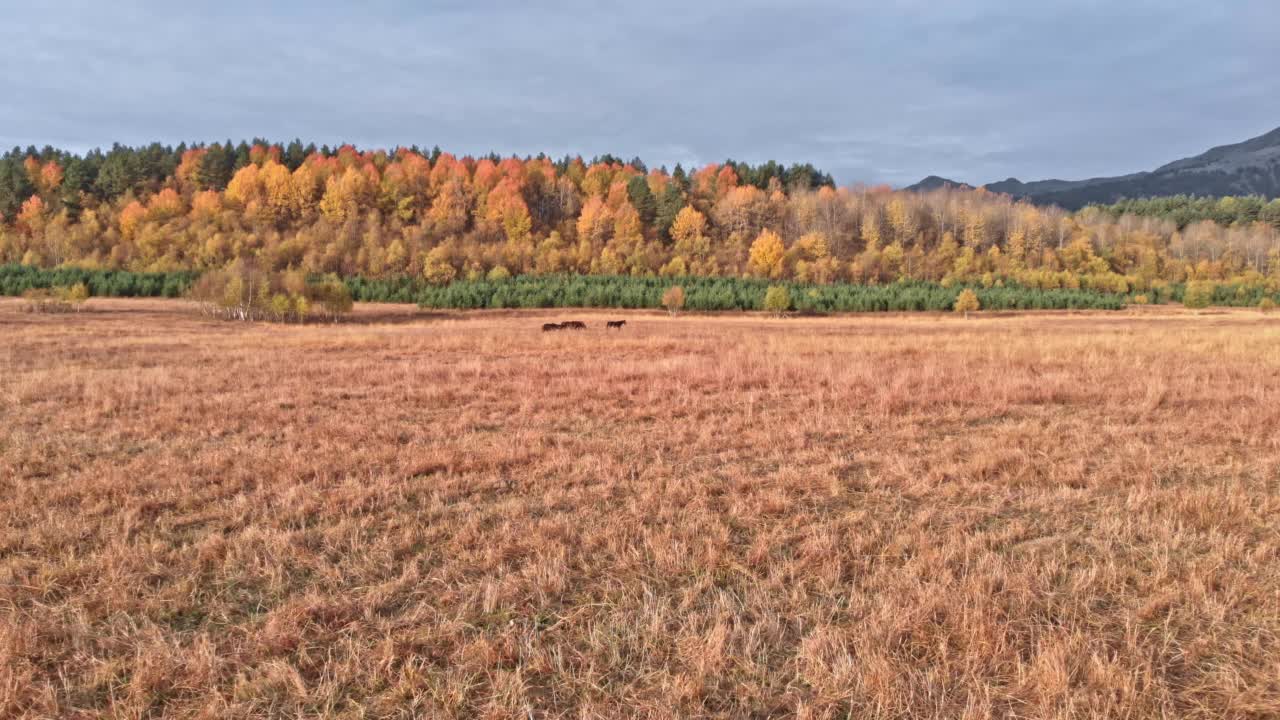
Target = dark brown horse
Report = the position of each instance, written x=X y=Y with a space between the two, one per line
x=615 y=324
x=573 y=325
x=549 y=327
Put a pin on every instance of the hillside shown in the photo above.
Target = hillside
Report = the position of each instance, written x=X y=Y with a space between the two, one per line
x=379 y=214
x=933 y=182
x=1251 y=167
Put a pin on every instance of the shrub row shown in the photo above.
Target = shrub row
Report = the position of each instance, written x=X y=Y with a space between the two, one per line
x=18 y=279
x=1208 y=292
x=702 y=293
x=243 y=292
x=55 y=300
x=737 y=294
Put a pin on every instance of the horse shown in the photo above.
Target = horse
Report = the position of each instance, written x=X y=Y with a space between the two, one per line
x=573 y=325
x=550 y=327
x=615 y=324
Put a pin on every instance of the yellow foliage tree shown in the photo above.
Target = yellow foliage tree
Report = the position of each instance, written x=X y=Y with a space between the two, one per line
x=305 y=186
x=627 y=229
x=452 y=208
x=765 y=258
x=689 y=228
x=279 y=199
x=245 y=186
x=344 y=195
x=437 y=269
x=206 y=204
x=676 y=267
x=594 y=222
x=901 y=219
x=967 y=302
x=777 y=299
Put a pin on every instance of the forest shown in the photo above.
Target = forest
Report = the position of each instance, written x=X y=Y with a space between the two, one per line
x=1184 y=210
x=432 y=218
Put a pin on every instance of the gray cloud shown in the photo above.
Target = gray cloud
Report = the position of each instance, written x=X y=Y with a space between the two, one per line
x=883 y=91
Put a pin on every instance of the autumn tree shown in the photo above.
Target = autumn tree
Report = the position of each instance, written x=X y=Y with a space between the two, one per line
x=244 y=188
x=813 y=261
x=689 y=230
x=33 y=216
x=438 y=270
x=692 y=246
x=507 y=208
x=165 y=205
x=551 y=255
x=675 y=267
x=743 y=210
x=76 y=295
x=594 y=222
x=1199 y=294
x=777 y=299
x=673 y=299
x=966 y=302
x=277 y=195
x=902 y=219
x=345 y=195
x=628 y=238
x=766 y=255
x=49 y=178
x=189 y=166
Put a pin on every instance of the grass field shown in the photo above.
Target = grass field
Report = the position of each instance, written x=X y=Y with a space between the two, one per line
x=451 y=515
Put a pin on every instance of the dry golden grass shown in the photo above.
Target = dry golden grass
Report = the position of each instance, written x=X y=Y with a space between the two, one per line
x=459 y=516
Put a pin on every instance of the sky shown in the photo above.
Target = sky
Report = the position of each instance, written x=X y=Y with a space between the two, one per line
x=877 y=92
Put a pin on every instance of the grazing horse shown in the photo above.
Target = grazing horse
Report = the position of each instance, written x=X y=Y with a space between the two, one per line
x=615 y=324
x=573 y=325
x=549 y=327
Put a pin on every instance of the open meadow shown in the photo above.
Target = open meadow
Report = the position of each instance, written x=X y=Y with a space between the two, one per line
x=456 y=515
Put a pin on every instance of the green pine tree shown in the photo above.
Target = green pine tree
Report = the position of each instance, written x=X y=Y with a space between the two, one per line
x=642 y=199
x=216 y=167
x=668 y=205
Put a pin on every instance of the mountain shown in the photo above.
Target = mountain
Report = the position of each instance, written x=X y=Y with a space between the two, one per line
x=933 y=182
x=1251 y=167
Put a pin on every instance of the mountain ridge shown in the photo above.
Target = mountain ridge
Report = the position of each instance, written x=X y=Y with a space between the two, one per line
x=1251 y=167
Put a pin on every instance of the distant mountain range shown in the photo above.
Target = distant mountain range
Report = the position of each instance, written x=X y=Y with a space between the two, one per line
x=1248 y=168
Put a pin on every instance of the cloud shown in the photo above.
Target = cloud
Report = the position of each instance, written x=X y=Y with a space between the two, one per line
x=885 y=91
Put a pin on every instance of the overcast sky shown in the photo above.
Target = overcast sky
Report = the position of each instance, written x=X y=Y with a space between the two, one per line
x=878 y=91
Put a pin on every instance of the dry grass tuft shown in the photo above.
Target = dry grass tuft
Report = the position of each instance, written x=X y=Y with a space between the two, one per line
x=457 y=516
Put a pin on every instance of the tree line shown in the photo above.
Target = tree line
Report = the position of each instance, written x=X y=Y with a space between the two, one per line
x=71 y=180
x=547 y=291
x=245 y=292
x=16 y=280
x=439 y=219
x=715 y=294
x=1184 y=210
